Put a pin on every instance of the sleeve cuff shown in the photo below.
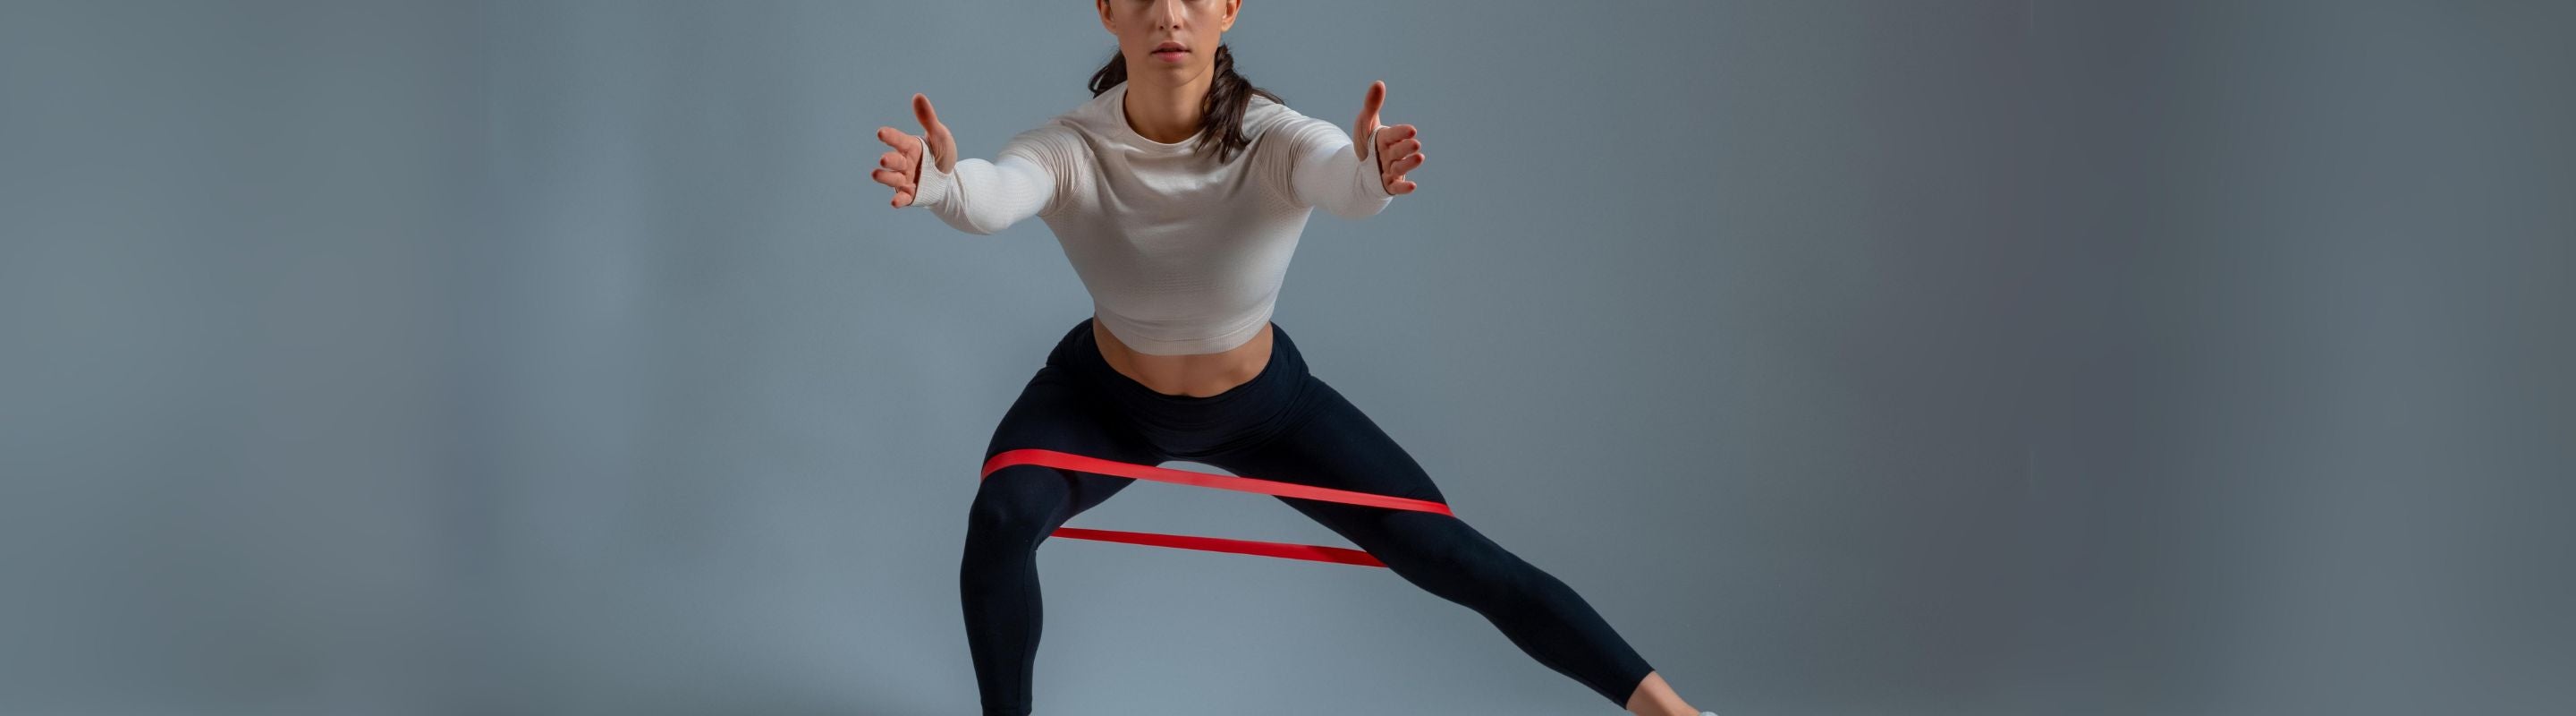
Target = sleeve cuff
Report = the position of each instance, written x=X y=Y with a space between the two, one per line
x=934 y=184
x=1374 y=185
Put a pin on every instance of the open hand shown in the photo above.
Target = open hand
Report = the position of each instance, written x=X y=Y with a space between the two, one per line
x=1398 y=150
x=901 y=168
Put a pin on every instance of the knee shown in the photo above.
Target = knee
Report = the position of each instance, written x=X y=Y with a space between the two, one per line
x=1016 y=505
x=1447 y=552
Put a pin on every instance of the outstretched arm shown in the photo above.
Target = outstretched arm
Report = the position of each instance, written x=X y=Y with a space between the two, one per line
x=1356 y=176
x=974 y=195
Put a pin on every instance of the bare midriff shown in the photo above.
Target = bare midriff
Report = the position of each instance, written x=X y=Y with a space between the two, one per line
x=1197 y=375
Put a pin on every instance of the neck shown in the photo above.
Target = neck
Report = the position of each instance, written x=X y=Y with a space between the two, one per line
x=1167 y=112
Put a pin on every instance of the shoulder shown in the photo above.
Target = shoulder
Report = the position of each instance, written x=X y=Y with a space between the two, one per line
x=1268 y=122
x=1264 y=115
x=1056 y=145
x=1061 y=139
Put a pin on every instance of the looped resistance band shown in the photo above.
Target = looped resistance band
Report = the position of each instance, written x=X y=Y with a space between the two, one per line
x=1318 y=553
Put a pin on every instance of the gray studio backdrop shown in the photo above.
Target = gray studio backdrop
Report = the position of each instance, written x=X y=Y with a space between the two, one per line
x=527 y=357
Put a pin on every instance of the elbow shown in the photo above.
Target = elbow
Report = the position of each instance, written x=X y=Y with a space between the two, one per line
x=1360 y=209
x=970 y=225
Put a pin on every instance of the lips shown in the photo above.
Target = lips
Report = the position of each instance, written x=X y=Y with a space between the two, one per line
x=1171 y=51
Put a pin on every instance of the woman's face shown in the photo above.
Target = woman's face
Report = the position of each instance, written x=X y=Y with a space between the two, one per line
x=1168 y=42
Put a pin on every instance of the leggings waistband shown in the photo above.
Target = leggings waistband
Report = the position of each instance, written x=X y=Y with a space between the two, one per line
x=1185 y=426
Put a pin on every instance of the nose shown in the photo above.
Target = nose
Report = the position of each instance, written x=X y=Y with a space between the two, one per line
x=1170 y=15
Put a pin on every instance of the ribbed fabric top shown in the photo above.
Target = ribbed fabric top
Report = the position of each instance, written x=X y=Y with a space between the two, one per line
x=1182 y=254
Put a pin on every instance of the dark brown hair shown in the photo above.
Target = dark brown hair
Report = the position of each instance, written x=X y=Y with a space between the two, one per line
x=1221 y=114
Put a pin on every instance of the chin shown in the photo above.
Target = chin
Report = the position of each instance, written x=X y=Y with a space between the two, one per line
x=1174 y=73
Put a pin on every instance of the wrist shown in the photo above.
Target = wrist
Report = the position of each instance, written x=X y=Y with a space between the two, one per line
x=932 y=187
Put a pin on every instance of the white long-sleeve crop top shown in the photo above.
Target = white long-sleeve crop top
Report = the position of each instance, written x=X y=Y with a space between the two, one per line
x=1182 y=254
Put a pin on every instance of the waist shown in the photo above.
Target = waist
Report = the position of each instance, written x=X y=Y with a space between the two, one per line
x=1194 y=375
x=1258 y=367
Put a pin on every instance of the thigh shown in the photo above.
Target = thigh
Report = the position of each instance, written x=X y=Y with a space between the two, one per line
x=1337 y=446
x=1053 y=412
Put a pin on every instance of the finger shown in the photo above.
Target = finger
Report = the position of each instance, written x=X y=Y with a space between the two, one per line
x=891 y=178
x=1393 y=152
x=1401 y=188
x=921 y=111
x=905 y=158
x=1389 y=164
x=1395 y=168
x=1389 y=139
x=1394 y=173
x=1394 y=134
x=906 y=146
x=902 y=199
x=1401 y=149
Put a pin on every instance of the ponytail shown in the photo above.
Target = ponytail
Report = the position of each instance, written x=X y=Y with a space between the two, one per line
x=1221 y=114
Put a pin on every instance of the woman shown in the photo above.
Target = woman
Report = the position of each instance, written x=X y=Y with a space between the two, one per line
x=1178 y=193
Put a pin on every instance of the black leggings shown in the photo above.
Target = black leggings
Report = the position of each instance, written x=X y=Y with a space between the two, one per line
x=1283 y=425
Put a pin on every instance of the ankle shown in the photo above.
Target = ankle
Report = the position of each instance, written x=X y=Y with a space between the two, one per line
x=1654 y=697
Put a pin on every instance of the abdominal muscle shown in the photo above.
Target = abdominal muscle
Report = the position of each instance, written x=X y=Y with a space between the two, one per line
x=1197 y=375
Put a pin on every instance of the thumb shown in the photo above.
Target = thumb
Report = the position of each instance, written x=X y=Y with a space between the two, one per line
x=935 y=136
x=1365 y=129
x=921 y=110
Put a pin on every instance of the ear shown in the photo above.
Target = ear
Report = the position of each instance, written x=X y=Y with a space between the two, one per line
x=1103 y=6
x=1232 y=8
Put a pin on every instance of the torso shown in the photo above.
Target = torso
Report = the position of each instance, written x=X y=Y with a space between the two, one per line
x=1197 y=376
x=1183 y=255
x=1176 y=250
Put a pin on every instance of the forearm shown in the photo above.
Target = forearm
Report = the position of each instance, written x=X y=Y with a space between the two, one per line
x=982 y=197
x=1332 y=174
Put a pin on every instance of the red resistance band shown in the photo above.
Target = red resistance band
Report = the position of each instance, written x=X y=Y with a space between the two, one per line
x=1079 y=463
